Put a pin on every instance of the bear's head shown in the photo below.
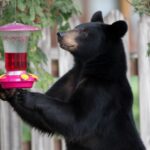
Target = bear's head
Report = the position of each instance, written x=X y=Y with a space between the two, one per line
x=88 y=40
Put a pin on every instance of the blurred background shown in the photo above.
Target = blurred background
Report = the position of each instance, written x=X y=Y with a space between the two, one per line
x=49 y=62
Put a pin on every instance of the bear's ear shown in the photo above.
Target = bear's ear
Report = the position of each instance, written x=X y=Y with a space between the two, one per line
x=97 y=17
x=119 y=28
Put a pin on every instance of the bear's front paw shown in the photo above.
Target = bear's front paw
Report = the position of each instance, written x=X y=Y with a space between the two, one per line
x=20 y=96
x=7 y=94
x=25 y=99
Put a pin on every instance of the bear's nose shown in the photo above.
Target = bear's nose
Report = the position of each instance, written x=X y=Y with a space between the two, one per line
x=60 y=34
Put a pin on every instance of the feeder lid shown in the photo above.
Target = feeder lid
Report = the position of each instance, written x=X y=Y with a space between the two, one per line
x=17 y=27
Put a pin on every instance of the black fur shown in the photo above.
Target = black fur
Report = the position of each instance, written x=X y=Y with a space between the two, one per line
x=97 y=17
x=91 y=106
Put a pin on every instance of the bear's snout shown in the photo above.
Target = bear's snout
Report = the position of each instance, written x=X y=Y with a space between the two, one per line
x=60 y=34
x=67 y=40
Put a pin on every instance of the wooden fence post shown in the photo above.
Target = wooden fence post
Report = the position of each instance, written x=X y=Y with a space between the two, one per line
x=144 y=79
x=10 y=128
x=15 y=130
x=4 y=124
x=40 y=141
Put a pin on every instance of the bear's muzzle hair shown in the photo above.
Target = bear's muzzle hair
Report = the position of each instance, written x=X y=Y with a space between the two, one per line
x=67 y=40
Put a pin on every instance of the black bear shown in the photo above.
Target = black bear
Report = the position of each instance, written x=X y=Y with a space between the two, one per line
x=91 y=105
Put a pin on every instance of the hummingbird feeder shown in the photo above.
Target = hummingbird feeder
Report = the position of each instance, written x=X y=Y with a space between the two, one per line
x=15 y=40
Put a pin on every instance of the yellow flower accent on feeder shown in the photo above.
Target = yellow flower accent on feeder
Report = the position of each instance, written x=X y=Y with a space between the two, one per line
x=34 y=76
x=24 y=77
x=2 y=76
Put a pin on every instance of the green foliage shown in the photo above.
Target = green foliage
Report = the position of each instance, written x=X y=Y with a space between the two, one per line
x=1 y=72
x=1 y=51
x=141 y=6
x=41 y=13
x=26 y=133
x=134 y=86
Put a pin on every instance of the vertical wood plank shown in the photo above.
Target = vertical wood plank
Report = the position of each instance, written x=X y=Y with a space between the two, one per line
x=144 y=79
x=15 y=130
x=10 y=128
x=125 y=8
x=45 y=44
x=4 y=124
x=41 y=141
x=65 y=61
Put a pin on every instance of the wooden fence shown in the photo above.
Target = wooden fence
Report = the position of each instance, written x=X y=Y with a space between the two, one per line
x=10 y=124
x=144 y=79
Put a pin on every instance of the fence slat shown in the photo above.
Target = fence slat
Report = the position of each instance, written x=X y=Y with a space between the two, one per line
x=4 y=124
x=15 y=130
x=144 y=79
x=10 y=128
x=40 y=141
